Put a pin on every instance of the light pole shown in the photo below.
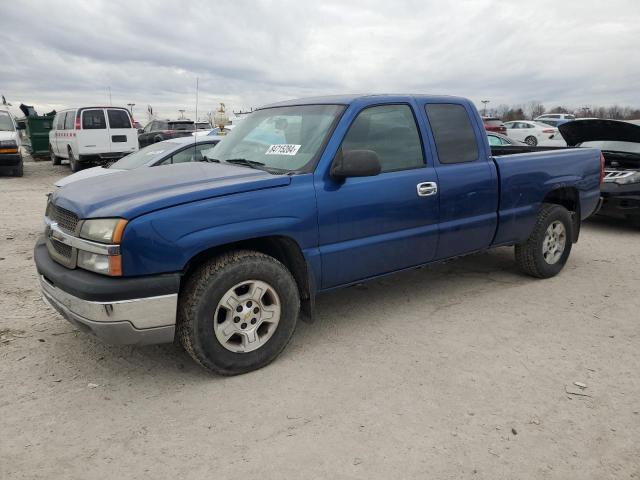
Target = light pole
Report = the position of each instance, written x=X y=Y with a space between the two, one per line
x=181 y=113
x=484 y=110
x=131 y=105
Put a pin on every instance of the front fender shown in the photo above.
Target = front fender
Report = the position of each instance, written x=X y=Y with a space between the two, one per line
x=165 y=240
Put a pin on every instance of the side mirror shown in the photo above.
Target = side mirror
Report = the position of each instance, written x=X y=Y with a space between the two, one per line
x=355 y=163
x=140 y=130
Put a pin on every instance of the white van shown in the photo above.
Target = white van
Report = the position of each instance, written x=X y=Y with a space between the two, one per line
x=92 y=135
x=10 y=156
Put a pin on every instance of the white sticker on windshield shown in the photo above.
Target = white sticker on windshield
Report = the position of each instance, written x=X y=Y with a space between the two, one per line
x=283 y=149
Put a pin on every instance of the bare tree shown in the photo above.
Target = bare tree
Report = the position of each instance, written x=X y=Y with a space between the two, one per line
x=535 y=109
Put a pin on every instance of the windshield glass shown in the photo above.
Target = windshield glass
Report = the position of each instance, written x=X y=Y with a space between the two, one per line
x=137 y=159
x=281 y=138
x=6 y=125
x=629 y=147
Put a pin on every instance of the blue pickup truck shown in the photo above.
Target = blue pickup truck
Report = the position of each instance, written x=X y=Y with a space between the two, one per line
x=303 y=197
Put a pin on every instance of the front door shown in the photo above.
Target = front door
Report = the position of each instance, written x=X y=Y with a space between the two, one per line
x=379 y=224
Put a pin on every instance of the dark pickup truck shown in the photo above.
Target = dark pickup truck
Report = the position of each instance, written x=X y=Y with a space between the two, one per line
x=302 y=197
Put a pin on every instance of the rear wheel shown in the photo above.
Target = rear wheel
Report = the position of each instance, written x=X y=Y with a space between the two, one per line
x=531 y=141
x=157 y=139
x=237 y=312
x=73 y=163
x=547 y=249
x=55 y=160
x=18 y=171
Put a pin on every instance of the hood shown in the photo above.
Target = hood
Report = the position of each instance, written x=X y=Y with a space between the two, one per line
x=129 y=194
x=578 y=131
x=88 y=173
x=4 y=135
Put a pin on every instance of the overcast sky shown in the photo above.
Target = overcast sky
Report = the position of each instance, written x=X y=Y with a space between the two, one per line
x=247 y=53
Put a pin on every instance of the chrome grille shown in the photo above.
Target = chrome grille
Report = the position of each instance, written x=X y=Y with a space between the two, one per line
x=65 y=219
x=62 y=249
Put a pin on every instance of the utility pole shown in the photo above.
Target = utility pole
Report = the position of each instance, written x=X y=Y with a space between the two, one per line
x=484 y=110
x=131 y=105
x=110 y=103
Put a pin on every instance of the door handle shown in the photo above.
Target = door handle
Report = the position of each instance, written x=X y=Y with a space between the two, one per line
x=426 y=189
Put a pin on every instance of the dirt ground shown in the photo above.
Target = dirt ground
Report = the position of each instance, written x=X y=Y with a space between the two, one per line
x=462 y=370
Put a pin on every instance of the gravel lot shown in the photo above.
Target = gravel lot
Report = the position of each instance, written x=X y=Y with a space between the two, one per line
x=456 y=371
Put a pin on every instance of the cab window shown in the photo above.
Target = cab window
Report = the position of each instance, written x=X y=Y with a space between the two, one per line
x=391 y=132
x=453 y=133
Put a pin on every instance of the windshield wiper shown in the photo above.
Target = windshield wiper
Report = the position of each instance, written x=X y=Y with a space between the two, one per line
x=245 y=162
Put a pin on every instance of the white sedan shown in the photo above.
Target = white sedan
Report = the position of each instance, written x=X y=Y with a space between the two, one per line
x=534 y=133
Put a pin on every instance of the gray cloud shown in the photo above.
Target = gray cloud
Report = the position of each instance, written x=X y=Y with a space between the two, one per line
x=62 y=53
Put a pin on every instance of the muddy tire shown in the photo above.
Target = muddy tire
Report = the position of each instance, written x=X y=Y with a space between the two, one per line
x=73 y=163
x=547 y=249
x=55 y=160
x=237 y=312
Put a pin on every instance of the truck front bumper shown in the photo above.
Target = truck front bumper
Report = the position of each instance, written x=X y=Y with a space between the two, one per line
x=101 y=305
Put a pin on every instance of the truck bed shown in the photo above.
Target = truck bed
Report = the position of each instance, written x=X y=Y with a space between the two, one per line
x=527 y=174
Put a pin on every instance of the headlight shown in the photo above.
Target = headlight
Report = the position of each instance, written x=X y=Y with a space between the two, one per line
x=8 y=146
x=633 y=178
x=103 y=230
x=105 y=264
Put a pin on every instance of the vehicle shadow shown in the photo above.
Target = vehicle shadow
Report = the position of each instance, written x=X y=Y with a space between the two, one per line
x=603 y=223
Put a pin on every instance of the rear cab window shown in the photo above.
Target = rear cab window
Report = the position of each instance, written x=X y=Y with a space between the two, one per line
x=453 y=133
x=93 y=120
x=118 y=118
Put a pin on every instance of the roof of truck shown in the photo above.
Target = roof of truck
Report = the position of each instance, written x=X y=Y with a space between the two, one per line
x=350 y=98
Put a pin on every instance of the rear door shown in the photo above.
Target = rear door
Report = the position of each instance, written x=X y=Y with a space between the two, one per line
x=93 y=139
x=467 y=180
x=123 y=137
x=375 y=225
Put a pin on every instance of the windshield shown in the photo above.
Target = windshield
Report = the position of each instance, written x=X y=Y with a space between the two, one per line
x=613 y=146
x=280 y=139
x=137 y=159
x=6 y=124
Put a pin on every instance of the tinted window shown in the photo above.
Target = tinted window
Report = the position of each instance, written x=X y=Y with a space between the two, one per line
x=453 y=133
x=93 y=120
x=391 y=132
x=68 y=120
x=182 y=126
x=118 y=119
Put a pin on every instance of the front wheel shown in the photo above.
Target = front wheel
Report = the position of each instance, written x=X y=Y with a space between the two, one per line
x=547 y=249
x=237 y=312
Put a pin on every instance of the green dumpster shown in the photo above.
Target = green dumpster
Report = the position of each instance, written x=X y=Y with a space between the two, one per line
x=36 y=138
